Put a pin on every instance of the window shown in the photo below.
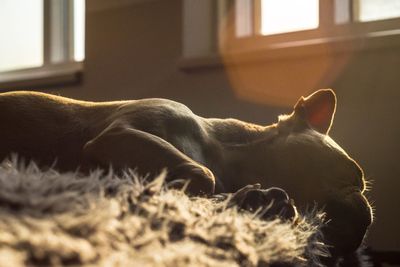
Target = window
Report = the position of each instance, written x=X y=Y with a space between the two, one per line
x=23 y=27
x=241 y=26
x=79 y=30
x=370 y=10
x=276 y=17
x=262 y=23
x=42 y=41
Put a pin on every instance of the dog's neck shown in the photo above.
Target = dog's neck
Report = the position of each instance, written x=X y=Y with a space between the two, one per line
x=246 y=162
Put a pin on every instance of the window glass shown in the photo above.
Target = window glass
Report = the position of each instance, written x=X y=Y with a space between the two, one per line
x=21 y=34
x=280 y=16
x=342 y=11
x=244 y=18
x=369 y=10
x=79 y=30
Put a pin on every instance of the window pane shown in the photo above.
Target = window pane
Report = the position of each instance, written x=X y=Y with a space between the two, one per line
x=279 y=16
x=244 y=17
x=368 y=10
x=79 y=30
x=342 y=11
x=21 y=34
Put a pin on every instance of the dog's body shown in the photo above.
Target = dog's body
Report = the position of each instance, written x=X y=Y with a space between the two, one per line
x=215 y=155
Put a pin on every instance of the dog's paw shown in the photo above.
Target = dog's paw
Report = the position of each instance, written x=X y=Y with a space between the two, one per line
x=271 y=203
x=193 y=178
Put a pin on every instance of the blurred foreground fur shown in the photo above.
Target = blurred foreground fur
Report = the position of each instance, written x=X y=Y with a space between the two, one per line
x=47 y=218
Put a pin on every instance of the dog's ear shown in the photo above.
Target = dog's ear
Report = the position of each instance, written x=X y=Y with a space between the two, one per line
x=317 y=110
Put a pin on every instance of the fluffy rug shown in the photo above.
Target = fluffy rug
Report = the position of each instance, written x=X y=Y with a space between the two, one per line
x=52 y=219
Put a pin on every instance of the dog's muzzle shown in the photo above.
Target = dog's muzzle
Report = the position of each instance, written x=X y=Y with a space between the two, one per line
x=348 y=220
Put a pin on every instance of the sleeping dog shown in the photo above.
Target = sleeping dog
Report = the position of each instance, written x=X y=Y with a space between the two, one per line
x=213 y=155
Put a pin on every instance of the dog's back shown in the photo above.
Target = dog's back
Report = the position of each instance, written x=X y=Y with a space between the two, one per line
x=46 y=127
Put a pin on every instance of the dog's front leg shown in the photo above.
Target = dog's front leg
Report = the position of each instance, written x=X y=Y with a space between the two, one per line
x=122 y=146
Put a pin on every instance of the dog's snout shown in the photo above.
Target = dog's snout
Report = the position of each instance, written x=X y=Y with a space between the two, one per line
x=350 y=218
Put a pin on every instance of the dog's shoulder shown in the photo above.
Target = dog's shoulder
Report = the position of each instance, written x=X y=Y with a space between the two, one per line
x=233 y=131
x=157 y=106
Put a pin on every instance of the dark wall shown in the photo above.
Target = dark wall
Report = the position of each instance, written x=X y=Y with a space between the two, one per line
x=133 y=52
x=368 y=126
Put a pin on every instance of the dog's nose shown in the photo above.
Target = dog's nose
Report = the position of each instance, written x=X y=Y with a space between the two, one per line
x=349 y=222
x=344 y=237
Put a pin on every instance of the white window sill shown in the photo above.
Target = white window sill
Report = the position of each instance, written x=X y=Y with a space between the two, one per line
x=296 y=49
x=44 y=76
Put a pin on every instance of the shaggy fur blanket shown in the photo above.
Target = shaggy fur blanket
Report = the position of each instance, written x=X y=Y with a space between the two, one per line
x=53 y=219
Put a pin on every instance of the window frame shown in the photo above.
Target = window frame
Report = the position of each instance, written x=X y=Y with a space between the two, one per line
x=349 y=36
x=59 y=65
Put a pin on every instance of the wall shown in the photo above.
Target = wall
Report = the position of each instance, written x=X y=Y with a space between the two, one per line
x=133 y=51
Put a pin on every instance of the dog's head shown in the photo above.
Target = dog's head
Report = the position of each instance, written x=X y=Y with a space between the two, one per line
x=314 y=169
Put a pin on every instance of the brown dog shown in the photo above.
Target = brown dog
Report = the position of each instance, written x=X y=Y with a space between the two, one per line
x=219 y=155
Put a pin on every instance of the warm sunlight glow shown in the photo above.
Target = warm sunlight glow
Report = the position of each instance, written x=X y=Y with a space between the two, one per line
x=21 y=29
x=279 y=16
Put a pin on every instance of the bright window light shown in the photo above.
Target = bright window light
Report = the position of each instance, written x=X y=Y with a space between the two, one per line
x=369 y=10
x=280 y=16
x=21 y=29
x=22 y=33
x=79 y=30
